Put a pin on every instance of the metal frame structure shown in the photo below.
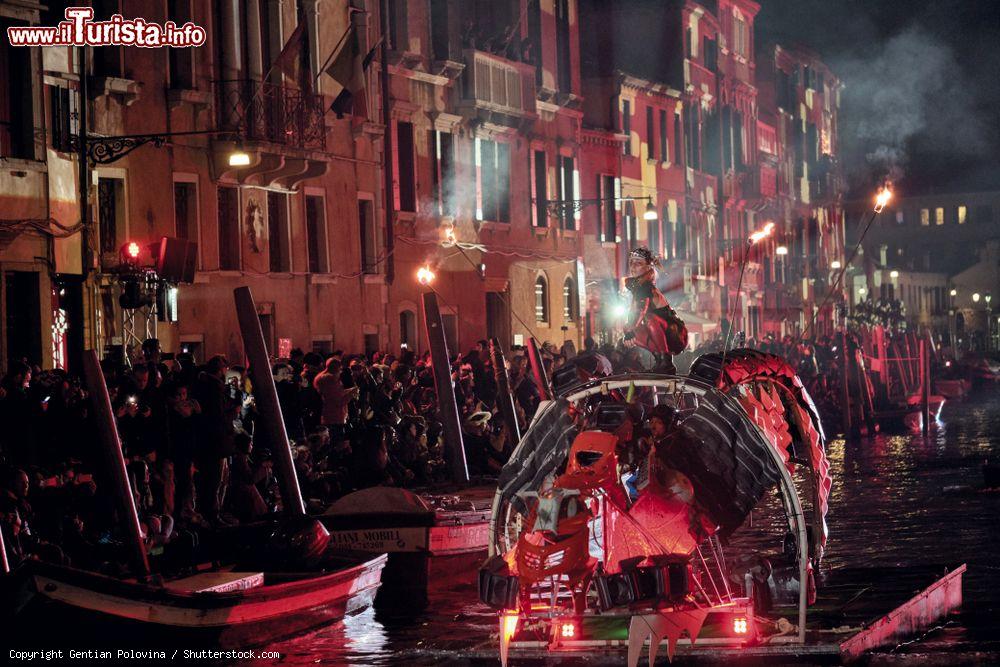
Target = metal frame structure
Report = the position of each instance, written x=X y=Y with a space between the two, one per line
x=672 y=384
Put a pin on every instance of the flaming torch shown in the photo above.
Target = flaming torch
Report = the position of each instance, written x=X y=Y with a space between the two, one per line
x=756 y=237
x=882 y=198
x=761 y=234
x=425 y=276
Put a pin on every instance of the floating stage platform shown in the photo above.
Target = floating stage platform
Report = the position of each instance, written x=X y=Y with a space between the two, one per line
x=857 y=610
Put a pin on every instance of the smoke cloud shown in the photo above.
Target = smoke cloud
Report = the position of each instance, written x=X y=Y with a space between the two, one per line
x=905 y=88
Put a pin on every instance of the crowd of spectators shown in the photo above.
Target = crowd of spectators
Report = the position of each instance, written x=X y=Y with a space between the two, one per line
x=188 y=436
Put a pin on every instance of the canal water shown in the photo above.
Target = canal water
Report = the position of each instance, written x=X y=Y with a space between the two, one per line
x=897 y=501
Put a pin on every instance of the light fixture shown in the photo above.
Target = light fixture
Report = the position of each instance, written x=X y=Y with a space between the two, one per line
x=619 y=310
x=133 y=250
x=975 y=297
x=239 y=157
x=862 y=291
x=954 y=292
x=650 y=213
x=781 y=250
x=835 y=264
x=894 y=274
x=989 y=297
x=740 y=625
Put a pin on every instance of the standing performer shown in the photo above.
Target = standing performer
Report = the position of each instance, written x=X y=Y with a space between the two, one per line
x=653 y=324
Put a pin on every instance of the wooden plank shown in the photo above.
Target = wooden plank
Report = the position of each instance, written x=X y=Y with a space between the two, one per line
x=919 y=612
x=217 y=582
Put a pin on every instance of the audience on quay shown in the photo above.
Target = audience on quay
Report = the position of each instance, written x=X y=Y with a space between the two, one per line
x=187 y=432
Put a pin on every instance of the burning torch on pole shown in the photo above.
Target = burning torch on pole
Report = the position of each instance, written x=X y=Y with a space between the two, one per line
x=881 y=199
x=756 y=237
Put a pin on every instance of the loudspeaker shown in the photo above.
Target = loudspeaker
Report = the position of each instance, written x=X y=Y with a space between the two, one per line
x=176 y=260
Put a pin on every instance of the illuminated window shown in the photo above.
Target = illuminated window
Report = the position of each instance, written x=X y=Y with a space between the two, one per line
x=925 y=217
x=899 y=218
x=962 y=214
x=541 y=299
x=939 y=216
x=570 y=300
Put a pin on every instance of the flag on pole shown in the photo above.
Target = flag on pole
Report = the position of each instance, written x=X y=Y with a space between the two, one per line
x=348 y=69
x=293 y=60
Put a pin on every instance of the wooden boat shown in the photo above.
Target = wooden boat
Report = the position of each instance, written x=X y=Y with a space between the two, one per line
x=218 y=609
x=433 y=539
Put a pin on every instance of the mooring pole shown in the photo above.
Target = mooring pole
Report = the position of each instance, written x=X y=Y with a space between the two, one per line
x=4 y=563
x=845 y=386
x=925 y=389
x=505 y=399
x=271 y=425
x=538 y=370
x=107 y=431
x=447 y=405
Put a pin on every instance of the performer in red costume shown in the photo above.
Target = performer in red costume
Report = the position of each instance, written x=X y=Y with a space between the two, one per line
x=653 y=324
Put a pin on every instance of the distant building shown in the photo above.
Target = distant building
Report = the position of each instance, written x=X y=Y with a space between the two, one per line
x=951 y=241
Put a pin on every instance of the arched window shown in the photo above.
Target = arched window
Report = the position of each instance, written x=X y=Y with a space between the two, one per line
x=570 y=299
x=408 y=329
x=541 y=299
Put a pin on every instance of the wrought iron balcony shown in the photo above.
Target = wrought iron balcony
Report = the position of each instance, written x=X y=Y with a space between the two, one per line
x=260 y=111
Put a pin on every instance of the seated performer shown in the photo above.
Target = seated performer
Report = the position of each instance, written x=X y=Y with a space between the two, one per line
x=652 y=322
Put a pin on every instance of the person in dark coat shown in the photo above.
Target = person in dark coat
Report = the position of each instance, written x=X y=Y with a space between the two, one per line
x=216 y=444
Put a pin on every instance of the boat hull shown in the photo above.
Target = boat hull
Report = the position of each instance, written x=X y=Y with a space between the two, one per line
x=95 y=608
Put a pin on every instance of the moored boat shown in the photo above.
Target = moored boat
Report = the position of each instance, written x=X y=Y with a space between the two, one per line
x=221 y=609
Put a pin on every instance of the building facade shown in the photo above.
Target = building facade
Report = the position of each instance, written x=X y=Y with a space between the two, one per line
x=516 y=166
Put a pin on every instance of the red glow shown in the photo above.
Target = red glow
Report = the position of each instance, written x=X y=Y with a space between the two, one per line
x=132 y=250
x=740 y=625
x=567 y=630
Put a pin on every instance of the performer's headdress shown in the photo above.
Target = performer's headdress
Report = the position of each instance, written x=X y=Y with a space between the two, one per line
x=645 y=254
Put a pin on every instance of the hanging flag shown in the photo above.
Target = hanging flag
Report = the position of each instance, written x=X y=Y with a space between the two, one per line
x=293 y=60
x=348 y=69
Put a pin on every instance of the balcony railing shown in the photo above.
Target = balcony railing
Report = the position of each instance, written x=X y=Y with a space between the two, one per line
x=493 y=84
x=266 y=112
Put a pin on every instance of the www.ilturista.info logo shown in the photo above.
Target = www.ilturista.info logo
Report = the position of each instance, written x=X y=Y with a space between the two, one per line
x=79 y=29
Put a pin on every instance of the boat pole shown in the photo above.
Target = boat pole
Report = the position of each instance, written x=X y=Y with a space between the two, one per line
x=4 y=563
x=845 y=387
x=538 y=370
x=505 y=399
x=443 y=385
x=925 y=389
x=271 y=425
x=107 y=431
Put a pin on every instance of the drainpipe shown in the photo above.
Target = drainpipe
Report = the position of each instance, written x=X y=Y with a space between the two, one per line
x=390 y=239
x=84 y=166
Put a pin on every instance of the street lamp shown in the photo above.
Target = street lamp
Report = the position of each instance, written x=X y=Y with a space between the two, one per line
x=650 y=213
x=894 y=274
x=239 y=157
x=953 y=293
x=975 y=297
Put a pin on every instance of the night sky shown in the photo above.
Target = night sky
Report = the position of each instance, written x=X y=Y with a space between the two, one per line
x=922 y=85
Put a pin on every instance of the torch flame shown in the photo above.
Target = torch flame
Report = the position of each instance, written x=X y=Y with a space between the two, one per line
x=425 y=276
x=883 y=197
x=761 y=234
